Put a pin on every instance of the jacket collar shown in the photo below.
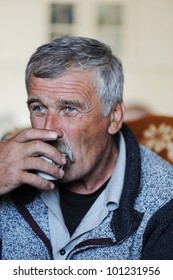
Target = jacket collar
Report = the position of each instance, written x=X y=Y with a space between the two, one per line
x=126 y=219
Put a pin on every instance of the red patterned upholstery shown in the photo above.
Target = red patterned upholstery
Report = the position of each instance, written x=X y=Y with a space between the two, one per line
x=155 y=132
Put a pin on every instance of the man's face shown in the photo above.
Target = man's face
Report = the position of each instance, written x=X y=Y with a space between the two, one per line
x=70 y=106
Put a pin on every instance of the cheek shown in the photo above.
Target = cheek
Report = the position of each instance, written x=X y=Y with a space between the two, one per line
x=89 y=137
x=96 y=129
x=37 y=123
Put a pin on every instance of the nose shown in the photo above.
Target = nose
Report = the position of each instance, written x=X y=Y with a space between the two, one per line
x=52 y=123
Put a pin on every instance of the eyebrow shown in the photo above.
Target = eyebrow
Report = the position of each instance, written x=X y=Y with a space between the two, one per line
x=32 y=100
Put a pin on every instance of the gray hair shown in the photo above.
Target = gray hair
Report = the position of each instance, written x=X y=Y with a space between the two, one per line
x=67 y=54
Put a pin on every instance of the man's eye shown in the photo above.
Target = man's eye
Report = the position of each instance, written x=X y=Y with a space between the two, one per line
x=38 y=108
x=70 y=109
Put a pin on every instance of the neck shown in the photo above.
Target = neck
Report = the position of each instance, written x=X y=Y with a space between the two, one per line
x=96 y=179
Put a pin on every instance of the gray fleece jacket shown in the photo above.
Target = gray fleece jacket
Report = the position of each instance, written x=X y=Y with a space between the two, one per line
x=141 y=228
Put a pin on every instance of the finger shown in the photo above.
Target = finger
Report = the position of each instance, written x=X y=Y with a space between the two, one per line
x=36 y=181
x=39 y=148
x=39 y=164
x=35 y=134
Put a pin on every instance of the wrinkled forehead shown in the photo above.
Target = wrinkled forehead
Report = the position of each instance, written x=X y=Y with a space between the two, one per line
x=71 y=84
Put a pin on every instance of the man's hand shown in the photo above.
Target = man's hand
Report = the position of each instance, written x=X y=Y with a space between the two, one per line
x=19 y=160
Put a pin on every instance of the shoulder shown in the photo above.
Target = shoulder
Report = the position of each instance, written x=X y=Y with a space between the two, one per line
x=155 y=166
x=156 y=187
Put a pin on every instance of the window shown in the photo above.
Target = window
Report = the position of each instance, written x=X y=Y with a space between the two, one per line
x=110 y=23
x=61 y=19
x=110 y=15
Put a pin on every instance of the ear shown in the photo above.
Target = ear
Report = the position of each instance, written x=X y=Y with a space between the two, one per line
x=116 y=118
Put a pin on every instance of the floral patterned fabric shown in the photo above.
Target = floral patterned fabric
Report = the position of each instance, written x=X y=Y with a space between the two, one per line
x=156 y=133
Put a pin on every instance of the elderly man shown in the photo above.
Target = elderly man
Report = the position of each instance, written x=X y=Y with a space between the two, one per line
x=77 y=185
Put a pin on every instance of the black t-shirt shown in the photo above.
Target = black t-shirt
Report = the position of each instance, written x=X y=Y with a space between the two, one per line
x=75 y=206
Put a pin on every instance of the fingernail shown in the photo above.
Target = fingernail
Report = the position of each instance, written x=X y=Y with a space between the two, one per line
x=53 y=134
x=61 y=173
x=63 y=159
x=52 y=186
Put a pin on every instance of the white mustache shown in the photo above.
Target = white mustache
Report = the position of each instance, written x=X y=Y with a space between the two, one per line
x=65 y=149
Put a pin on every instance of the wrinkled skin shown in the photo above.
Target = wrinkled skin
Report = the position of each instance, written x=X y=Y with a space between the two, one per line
x=68 y=106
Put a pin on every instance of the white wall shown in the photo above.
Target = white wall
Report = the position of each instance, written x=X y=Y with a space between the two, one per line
x=147 y=52
x=149 y=55
x=22 y=29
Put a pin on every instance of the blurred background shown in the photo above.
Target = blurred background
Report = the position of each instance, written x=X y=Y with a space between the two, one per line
x=140 y=33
